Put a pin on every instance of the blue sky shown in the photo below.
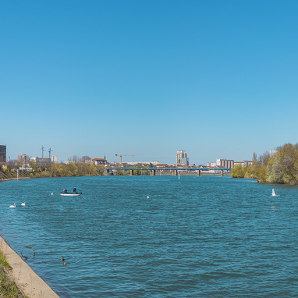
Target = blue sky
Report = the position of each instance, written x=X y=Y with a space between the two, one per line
x=215 y=78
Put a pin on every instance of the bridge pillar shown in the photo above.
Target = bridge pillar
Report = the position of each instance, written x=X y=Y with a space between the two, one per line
x=175 y=172
x=222 y=173
x=131 y=172
x=199 y=173
x=152 y=173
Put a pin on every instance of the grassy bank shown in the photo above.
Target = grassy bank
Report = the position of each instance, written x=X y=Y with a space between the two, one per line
x=8 y=288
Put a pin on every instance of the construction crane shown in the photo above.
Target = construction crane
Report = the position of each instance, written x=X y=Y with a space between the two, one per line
x=123 y=155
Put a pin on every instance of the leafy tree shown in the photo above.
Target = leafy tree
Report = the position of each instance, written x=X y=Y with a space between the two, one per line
x=238 y=171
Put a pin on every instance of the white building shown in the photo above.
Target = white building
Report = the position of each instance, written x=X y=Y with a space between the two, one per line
x=211 y=164
x=225 y=163
x=54 y=159
x=244 y=163
x=132 y=163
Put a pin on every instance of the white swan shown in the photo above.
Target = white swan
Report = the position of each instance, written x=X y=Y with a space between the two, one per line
x=274 y=194
x=23 y=204
x=147 y=197
x=13 y=206
x=52 y=193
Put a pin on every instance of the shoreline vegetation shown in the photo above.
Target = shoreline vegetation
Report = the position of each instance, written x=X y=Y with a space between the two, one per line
x=72 y=169
x=18 y=279
x=281 y=167
x=43 y=170
x=8 y=287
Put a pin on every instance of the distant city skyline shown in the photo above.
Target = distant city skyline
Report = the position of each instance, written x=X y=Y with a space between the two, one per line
x=181 y=159
x=216 y=78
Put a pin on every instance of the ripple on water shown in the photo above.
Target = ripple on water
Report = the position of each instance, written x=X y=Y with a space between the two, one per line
x=204 y=237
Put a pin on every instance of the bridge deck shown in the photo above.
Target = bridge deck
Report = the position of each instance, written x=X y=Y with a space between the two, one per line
x=168 y=169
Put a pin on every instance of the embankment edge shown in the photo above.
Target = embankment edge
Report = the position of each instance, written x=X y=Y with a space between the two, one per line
x=24 y=276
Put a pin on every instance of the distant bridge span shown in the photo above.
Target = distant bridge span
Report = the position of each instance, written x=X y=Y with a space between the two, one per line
x=167 y=168
x=172 y=169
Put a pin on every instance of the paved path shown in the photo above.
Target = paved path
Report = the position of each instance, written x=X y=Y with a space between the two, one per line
x=24 y=276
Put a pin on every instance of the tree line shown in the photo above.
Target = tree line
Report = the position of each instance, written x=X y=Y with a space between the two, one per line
x=280 y=167
x=44 y=169
x=76 y=167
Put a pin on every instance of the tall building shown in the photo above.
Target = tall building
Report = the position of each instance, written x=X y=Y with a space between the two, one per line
x=24 y=158
x=3 y=153
x=181 y=158
x=54 y=159
x=225 y=163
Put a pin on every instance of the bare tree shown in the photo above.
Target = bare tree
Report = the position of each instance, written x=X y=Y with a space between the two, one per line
x=84 y=158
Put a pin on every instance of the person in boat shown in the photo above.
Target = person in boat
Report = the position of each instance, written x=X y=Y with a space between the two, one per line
x=64 y=191
x=74 y=190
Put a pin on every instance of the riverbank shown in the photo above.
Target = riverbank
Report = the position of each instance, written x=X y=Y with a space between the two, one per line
x=24 y=276
x=8 y=287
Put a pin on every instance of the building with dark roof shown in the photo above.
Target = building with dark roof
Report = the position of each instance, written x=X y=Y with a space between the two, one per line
x=3 y=153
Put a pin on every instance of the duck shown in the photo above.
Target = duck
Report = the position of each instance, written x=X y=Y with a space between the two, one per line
x=23 y=204
x=63 y=260
x=13 y=206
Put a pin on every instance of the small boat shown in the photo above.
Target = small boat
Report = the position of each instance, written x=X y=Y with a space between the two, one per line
x=73 y=194
x=274 y=194
x=70 y=194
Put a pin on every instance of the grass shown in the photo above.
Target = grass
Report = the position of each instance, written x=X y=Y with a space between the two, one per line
x=8 y=288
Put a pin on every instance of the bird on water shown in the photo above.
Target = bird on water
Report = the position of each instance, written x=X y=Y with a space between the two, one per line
x=63 y=260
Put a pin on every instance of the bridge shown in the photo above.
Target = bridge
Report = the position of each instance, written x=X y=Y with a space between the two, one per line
x=175 y=170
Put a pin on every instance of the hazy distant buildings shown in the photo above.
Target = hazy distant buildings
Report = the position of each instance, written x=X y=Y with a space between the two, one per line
x=225 y=163
x=247 y=163
x=272 y=152
x=133 y=163
x=24 y=158
x=181 y=158
x=99 y=161
x=54 y=159
x=43 y=159
x=211 y=164
x=3 y=153
x=244 y=163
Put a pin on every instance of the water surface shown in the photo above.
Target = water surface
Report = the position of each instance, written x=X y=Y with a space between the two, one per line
x=205 y=236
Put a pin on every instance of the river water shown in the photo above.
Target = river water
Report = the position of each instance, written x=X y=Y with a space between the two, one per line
x=205 y=236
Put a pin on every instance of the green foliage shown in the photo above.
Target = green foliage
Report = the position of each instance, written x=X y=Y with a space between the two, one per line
x=3 y=261
x=8 y=288
x=282 y=167
x=238 y=172
x=72 y=169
